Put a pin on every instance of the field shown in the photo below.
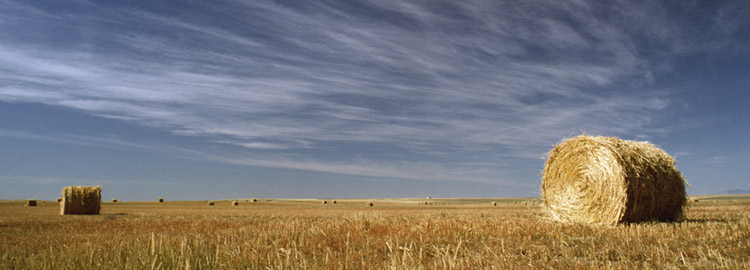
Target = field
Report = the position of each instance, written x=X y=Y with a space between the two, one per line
x=393 y=234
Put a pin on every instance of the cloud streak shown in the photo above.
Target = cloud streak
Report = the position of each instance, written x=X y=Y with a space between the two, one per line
x=387 y=83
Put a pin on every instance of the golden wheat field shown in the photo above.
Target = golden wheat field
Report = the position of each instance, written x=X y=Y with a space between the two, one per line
x=392 y=234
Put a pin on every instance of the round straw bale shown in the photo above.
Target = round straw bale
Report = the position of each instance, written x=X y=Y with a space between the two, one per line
x=59 y=199
x=235 y=203
x=494 y=203
x=210 y=203
x=161 y=200
x=81 y=200
x=114 y=200
x=254 y=200
x=30 y=203
x=370 y=204
x=325 y=202
x=334 y=202
x=606 y=180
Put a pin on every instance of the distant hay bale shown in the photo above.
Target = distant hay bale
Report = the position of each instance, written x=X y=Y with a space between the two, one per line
x=606 y=180
x=29 y=203
x=254 y=200
x=114 y=200
x=235 y=203
x=370 y=204
x=59 y=199
x=210 y=203
x=81 y=200
x=696 y=200
x=161 y=200
x=334 y=202
x=325 y=202
x=494 y=203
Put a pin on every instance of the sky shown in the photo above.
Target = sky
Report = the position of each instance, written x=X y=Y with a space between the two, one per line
x=199 y=100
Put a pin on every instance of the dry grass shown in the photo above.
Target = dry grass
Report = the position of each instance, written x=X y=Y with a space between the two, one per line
x=606 y=180
x=457 y=234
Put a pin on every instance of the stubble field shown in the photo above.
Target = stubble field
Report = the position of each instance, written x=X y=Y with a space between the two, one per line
x=393 y=234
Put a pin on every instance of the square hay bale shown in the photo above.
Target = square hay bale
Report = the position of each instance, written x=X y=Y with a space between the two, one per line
x=30 y=203
x=81 y=200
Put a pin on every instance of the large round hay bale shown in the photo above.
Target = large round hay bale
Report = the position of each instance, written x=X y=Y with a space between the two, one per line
x=29 y=203
x=606 y=180
x=161 y=200
x=81 y=200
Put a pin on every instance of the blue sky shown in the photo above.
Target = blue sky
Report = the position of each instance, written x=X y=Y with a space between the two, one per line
x=313 y=99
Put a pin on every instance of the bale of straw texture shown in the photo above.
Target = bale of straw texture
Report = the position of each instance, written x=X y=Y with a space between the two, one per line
x=235 y=203
x=29 y=203
x=334 y=202
x=81 y=200
x=254 y=200
x=161 y=200
x=606 y=180
x=494 y=203
x=325 y=202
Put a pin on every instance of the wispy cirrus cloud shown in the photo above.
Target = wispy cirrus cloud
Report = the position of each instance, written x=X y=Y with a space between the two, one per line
x=388 y=82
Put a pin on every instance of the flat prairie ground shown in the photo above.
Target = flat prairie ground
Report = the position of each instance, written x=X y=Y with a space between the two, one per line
x=392 y=234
